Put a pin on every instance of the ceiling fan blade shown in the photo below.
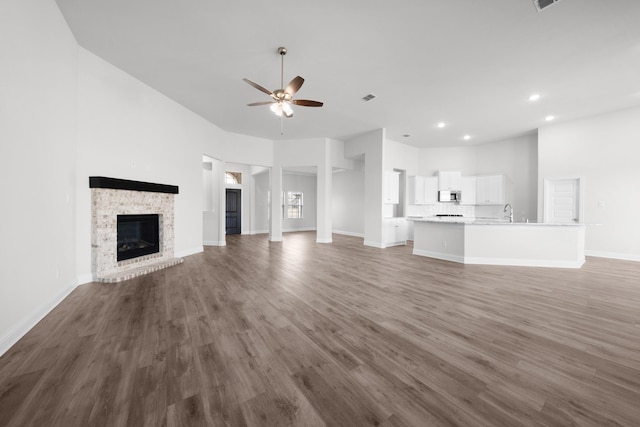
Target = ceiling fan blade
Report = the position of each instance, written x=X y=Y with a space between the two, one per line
x=307 y=103
x=254 y=104
x=260 y=88
x=294 y=85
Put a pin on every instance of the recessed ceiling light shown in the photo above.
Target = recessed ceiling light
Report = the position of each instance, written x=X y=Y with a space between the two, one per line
x=441 y=125
x=534 y=97
x=466 y=137
x=549 y=118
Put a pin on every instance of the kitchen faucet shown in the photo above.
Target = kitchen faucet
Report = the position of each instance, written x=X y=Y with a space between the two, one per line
x=510 y=211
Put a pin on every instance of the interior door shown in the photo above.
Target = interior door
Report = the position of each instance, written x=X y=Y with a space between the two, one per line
x=233 y=214
x=562 y=200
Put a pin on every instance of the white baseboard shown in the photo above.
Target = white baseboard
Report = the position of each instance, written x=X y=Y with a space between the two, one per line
x=260 y=232
x=348 y=233
x=374 y=244
x=524 y=262
x=613 y=255
x=215 y=243
x=389 y=245
x=187 y=252
x=293 y=230
x=85 y=278
x=514 y=262
x=24 y=326
x=324 y=240
x=438 y=255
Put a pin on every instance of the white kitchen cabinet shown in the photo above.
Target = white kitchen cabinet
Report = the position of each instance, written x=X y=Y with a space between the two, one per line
x=422 y=190
x=430 y=190
x=468 y=190
x=415 y=190
x=391 y=188
x=490 y=190
x=449 y=180
x=395 y=231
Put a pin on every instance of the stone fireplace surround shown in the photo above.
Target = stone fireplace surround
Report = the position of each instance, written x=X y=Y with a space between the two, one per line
x=111 y=197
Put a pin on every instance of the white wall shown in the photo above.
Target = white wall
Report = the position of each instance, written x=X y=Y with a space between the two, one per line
x=517 y=159
x=432 y=160
x=128 y=130
x=369 y=147
x=212 y=223
x=397 y=155
x=261 y=202
x=307 y=184
x=38 y=74
x=250 y=150
x=604 y=150
x=348 y=202
x=207 y=186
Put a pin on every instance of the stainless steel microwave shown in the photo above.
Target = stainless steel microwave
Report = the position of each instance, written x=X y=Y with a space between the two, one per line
x=449 y=196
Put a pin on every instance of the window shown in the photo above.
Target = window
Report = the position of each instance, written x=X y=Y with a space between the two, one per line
x=233 y=177
x=293 y=205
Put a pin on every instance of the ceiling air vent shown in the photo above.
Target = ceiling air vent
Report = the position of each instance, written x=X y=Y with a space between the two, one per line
x=542 y=4
x=368 y=97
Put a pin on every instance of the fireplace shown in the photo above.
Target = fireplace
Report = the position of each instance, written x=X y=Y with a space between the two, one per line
x=132 y=228
x=138 y=235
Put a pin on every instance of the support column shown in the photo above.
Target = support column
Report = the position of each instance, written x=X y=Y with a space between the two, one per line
x=275 y=204
x=222 y=203
x=324 y=207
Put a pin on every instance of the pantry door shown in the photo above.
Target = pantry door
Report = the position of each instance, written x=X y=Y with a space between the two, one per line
x=562 y=201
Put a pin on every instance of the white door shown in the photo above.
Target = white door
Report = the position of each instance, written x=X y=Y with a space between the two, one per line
x=562 y=200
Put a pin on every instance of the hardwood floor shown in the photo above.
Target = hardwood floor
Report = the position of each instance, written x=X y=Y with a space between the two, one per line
x=299 y=333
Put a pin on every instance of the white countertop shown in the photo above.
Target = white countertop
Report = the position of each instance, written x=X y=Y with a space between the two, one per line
x=483 y=221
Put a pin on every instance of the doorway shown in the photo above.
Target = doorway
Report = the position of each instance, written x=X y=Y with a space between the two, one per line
x=563 y=201
x=233 y=211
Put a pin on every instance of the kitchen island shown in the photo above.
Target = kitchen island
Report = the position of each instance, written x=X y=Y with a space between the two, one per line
x=500 y=243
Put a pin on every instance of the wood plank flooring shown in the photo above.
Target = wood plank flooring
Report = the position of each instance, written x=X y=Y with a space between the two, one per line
x=306 y=334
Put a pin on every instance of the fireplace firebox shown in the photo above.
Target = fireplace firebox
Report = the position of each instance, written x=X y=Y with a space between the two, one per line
x=138 y=235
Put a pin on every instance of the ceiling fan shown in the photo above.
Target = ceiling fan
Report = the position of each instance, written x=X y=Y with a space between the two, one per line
x=283 y=97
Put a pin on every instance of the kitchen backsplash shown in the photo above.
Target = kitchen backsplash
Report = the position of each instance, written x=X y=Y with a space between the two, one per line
x=441 y=208
x=490 y=211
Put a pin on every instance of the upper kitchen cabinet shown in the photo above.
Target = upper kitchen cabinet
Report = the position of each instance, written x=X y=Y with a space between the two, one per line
x=449 y=180
x=422 y=190
x=468 y=190
x=391 y=186
x=490 y=190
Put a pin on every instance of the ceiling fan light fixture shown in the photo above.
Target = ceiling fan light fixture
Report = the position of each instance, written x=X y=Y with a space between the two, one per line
x=282 y=107
x=277 y=109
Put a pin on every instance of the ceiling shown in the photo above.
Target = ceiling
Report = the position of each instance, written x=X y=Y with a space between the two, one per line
x=467 y=63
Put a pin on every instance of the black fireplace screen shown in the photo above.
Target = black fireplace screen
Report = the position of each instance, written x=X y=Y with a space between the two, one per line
x=138 y=235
